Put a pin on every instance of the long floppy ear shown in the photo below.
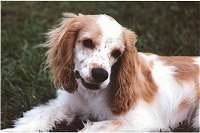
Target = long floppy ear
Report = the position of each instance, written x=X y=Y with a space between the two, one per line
x=60 y=53
x=124 y=95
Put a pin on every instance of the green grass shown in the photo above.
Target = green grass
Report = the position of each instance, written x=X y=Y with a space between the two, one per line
x=166 y=28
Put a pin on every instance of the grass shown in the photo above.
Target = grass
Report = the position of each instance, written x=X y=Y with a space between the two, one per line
x=166 y=28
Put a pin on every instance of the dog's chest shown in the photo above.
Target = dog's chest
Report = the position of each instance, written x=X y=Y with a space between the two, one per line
x=96 y=106
x=99 y=109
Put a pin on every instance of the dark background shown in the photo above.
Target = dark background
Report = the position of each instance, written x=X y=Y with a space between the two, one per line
x=165 y=28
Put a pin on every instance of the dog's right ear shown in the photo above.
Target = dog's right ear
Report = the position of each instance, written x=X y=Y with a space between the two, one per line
x=60 y=45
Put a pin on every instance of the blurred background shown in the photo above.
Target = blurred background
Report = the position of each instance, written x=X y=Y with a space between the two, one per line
x=165 y=28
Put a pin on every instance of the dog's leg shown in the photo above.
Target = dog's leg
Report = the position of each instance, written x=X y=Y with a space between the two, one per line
x=44 y=117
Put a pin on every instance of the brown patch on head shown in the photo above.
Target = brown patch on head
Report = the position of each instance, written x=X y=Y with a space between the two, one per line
x=90 y=30
x=131 y=78
x=60 y=43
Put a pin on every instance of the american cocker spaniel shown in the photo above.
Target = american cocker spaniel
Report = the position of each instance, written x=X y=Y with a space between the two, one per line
x=100 y=75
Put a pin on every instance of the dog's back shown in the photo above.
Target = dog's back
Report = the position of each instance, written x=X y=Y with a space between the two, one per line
x=177 y=79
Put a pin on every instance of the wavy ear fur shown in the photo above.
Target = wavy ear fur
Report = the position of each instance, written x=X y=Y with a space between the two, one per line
x=123 y=93
x=60 y=53
x=132 y=78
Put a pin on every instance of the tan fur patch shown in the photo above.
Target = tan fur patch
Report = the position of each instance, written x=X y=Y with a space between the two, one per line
x=90 y=29
x=186 y=69
x=132 y=80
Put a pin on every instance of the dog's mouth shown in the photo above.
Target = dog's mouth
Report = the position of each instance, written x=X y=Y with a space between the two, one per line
x=91 y=86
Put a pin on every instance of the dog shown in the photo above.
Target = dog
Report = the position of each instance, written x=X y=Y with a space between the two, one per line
x=100 y=75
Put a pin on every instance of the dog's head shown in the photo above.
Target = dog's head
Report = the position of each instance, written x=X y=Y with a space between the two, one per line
x=83 y=49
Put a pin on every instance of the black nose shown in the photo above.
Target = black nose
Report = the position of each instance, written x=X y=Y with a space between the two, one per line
x=99 y=74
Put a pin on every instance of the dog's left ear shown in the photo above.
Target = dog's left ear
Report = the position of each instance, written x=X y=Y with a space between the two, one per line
x=123 y=91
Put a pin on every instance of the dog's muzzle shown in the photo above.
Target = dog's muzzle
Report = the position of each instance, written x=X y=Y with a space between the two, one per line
x=91 y=86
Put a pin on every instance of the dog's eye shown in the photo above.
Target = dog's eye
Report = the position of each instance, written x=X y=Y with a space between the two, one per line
x=88 y=43
x=116 y=53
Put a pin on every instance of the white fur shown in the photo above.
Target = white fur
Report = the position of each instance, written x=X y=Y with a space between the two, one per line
x=197 y=60
x=162 y=113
